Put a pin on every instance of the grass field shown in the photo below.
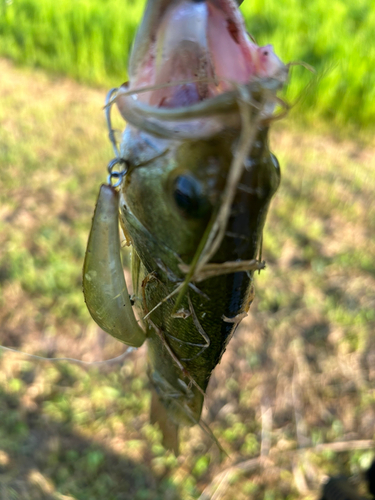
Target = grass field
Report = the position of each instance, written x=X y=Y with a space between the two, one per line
x=298 y=378
x=89 y=40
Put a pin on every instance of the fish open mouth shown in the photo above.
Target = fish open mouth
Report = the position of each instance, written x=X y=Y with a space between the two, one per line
x=189 y=51
x=205 y=44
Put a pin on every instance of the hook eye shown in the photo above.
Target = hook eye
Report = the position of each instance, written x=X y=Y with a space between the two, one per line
x=117 y=174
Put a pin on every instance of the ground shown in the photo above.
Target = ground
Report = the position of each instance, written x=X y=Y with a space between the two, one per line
x=297 y=383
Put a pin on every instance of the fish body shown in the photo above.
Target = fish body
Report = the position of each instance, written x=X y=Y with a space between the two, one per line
x=193 y=203
x=166 y=229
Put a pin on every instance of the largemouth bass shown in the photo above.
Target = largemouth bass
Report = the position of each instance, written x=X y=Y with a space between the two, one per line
x=197 y=182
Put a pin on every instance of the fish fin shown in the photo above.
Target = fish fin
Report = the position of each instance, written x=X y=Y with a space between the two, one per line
x=169 y=429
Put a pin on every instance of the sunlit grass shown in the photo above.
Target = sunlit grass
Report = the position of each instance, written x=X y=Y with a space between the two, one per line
x=335 y=39
x=90 y=41
x=86 y=39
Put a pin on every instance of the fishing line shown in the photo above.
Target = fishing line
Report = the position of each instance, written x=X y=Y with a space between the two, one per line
x=111 y=131
x=84 y=364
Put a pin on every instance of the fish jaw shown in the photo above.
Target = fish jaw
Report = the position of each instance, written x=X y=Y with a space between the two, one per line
x=201 y=43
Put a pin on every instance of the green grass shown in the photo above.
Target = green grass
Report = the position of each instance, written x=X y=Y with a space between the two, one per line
x=306 y=350
x=89 y=40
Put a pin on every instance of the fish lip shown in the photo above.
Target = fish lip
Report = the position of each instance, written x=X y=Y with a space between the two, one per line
x=202 y=120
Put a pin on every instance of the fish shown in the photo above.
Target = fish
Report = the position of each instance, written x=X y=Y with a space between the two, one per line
x=192 y=198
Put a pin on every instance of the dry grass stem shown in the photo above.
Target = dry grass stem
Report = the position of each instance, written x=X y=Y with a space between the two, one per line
x=220 y=483
x=266 y=410
x=213 y=269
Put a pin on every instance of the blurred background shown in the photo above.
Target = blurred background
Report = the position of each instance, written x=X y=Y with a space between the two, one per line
x=298 y=380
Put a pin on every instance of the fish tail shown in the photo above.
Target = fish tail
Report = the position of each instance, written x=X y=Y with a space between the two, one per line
x=169 y=429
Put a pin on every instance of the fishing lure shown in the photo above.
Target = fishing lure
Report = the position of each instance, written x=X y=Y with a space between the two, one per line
x=196 y=182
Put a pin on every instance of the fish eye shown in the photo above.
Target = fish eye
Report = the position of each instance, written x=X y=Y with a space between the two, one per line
x=189 y=196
